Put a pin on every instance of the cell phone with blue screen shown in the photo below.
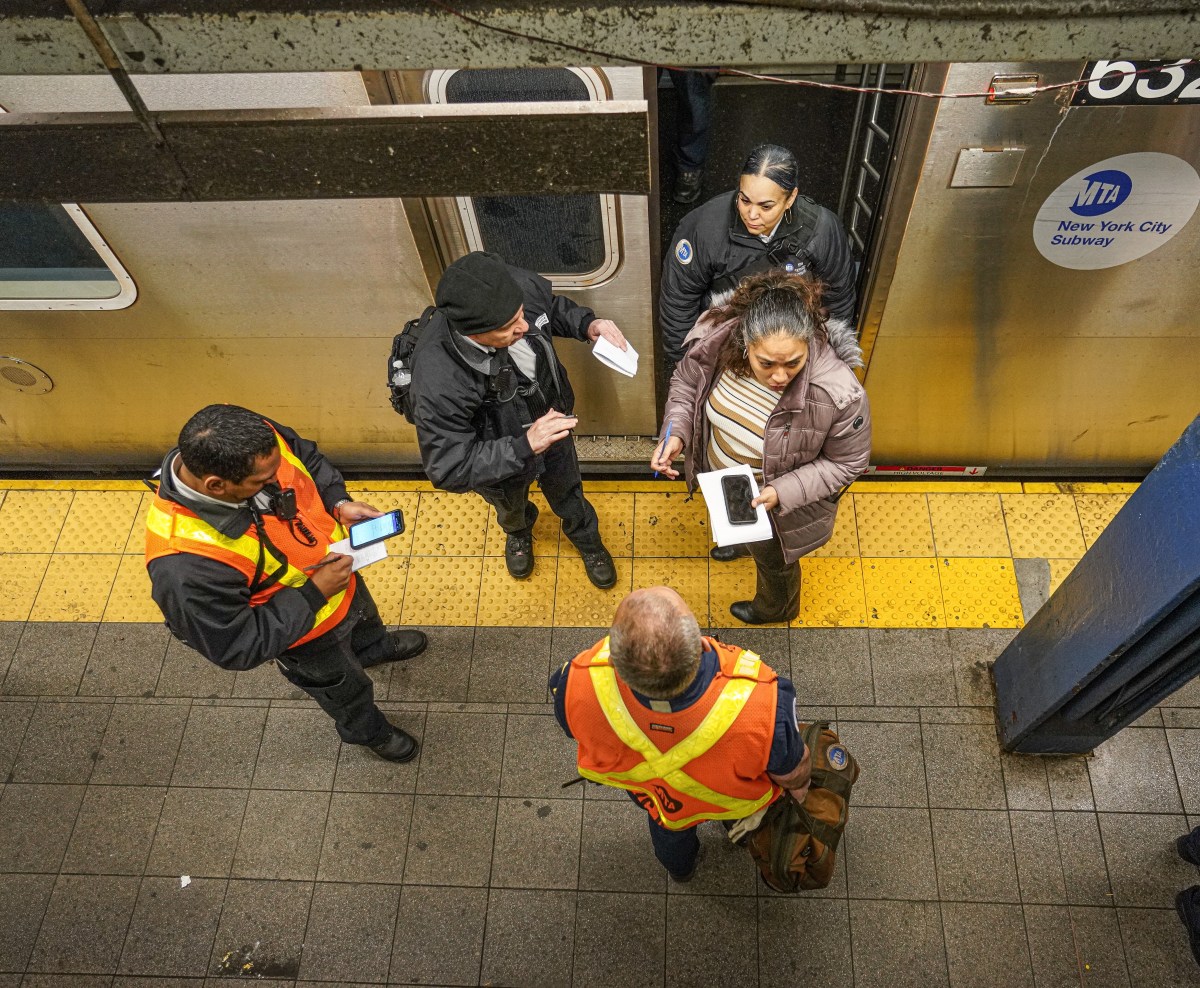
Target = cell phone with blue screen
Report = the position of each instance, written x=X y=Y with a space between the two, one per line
x=376 y=529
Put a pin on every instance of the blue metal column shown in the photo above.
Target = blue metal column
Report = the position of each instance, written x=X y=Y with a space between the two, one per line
x=1123 y=630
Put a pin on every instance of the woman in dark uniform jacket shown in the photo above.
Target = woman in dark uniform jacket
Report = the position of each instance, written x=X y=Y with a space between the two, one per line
x=763 y=224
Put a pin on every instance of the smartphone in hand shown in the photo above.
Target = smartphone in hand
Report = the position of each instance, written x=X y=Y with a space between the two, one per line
x=738 y=495
x=376 y=529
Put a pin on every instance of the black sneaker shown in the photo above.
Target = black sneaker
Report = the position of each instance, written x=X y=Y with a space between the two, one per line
x=397 y=746
x=728 y=553
x=1189 y=847
x=518 y=556
x=687 y=185
x=398 y=646
x=1187 y=905
x=600 y=568
x=684 y=879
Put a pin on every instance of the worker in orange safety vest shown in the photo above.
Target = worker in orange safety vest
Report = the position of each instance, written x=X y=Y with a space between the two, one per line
x=691 y=728
x=238 y=549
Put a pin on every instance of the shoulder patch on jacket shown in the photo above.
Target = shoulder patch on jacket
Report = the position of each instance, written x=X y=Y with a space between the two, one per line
x=542 y=321
x=684 y=252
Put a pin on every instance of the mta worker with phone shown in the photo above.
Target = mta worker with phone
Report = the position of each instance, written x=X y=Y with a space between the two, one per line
x=494 y=408
x=767 y=382
x=237 y=546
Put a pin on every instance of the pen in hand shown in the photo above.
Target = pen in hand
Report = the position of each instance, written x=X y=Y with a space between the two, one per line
x=665 y=439
x=324 y=562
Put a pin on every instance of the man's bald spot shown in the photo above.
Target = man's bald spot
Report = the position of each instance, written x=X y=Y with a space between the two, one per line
x=650 y=602
x=655 y=642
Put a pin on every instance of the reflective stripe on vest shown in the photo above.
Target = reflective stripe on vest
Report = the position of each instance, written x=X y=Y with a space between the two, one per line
x=180 y=530
x=669 y=765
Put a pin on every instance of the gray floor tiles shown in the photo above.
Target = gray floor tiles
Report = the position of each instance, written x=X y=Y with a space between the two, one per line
x=169 y=824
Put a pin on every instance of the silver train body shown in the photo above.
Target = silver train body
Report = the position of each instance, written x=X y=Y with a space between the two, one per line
x=983 y=350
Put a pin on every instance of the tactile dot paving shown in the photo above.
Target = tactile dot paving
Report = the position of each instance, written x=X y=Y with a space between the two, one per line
x=1060 y=569
x=545 y=531
x=397 y=545
x=578 y=604
x=727 y=582
x=386 y=581
x=31 y=520
x=893 y=524
x=615 y=514
x=1042 y=525
x=670 y=525
x=442 y=590
x=903 y=593
x=831 y=594
x=450 y=525
x=130 y=599
x=20 y=577
x=968 y=525
x=76 y=587
x=99 y=521
x=687 y=577
x=137 y=534
x=1096 y=511
x=527 y=603
x=980 y=593
x=844 y=541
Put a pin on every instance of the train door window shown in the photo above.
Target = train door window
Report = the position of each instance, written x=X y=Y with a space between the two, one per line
x=571 y=239
x=52 y=257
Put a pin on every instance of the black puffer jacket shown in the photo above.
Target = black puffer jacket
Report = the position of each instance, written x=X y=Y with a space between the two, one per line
x=468 y=438
x=712 y=250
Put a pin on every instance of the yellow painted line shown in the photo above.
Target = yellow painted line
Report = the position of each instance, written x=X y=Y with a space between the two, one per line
x=16 y=484
x=1080 y=488
x=934 y=487
x=635 y=486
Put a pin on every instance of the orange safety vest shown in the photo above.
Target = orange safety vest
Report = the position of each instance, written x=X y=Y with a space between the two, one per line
x=707 y=762
x=173 y=528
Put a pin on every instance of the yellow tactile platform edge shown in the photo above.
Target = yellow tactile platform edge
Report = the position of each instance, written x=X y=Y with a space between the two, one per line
x=903 y=555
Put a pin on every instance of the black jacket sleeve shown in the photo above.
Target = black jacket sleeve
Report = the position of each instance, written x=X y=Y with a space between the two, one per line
x=207 y=605
x=567 y=317
x=683 y=285
x=326 y=476
x=833 y=263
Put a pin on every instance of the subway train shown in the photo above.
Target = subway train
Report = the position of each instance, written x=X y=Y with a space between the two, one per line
x=1024 y=260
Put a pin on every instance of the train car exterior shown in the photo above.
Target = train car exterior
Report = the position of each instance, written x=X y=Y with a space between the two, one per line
x=1004 y=327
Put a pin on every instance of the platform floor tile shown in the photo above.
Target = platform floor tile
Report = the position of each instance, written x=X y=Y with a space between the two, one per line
x=844 y=541
x=1096 y=511
x=832 y=594
x=75 y=587
x=130 y=598
x=903 y=593
x=20 y=577
x=99 y=521
x=137 y=532
x=30 y=521
x=893 y=524
x=442 y=590
x=1042 y=525
x=528 y=603
x=670 y=525
x=615 y=514
x=980 y=593
x=450 y=525
x=688 y=577
x=1060 y=569
x=968 y=525
x=578 y=604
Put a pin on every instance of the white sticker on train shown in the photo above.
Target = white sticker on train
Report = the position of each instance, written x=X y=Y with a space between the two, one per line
x=1116 y=210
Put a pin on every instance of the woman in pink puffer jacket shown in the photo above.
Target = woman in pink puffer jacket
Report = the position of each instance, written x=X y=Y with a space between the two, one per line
x=766 y=382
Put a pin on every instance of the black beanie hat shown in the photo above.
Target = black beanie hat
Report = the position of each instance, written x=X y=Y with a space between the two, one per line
x=477 y=294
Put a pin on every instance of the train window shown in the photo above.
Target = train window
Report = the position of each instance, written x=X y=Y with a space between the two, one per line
x=52 y=257
x=571 y=239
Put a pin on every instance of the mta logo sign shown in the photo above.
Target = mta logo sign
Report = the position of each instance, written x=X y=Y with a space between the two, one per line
x=1101 y=192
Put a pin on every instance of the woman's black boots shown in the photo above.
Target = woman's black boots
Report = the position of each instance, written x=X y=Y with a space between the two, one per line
x=776 y=598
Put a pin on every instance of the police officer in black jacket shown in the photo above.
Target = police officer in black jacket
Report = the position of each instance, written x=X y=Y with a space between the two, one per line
x=763 y=224
x=493 y=405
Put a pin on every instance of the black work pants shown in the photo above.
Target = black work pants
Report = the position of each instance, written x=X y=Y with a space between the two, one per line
x=330 y=670
x=563 y=488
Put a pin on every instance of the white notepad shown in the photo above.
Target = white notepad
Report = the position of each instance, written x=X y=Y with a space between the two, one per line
x=724 y=532
x=622 y=361
x=361 y=557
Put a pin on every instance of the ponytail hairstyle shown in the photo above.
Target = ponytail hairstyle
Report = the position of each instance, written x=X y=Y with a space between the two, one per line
x=776 y=163
x=765 y=305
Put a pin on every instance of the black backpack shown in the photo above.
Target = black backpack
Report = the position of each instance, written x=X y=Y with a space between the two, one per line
x=400 y=362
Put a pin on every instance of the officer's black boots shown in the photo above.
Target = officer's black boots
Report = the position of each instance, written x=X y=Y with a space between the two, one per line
x=397 y=746
x=396 y=647
x=518 y=555
x=600 y=568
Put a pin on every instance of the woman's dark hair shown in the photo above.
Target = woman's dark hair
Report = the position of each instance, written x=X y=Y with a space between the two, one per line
x=764 y=305
x=773 y=162
x=225 y=441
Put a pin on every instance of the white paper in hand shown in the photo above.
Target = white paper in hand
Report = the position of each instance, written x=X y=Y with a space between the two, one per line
x=724 y=532
x=622 y=361
x=361 y=557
